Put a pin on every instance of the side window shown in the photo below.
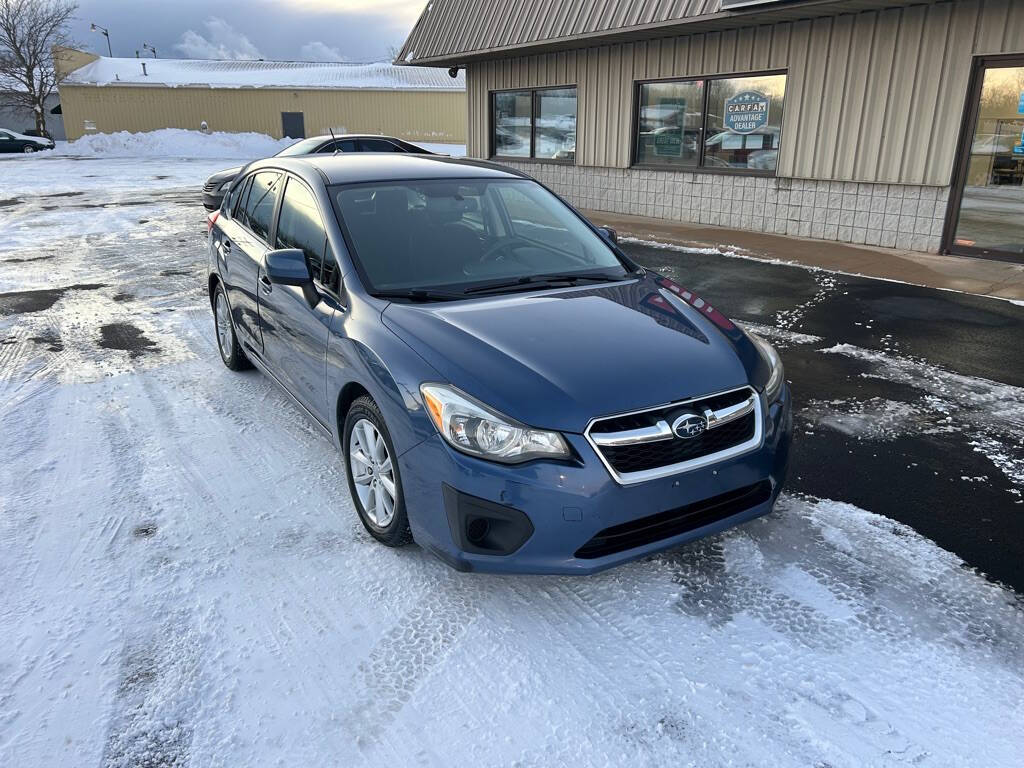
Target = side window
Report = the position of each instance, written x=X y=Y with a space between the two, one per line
x=259 y=207
x=238 y=211
x=377 y=145
x=300 y=226
x=232 y=197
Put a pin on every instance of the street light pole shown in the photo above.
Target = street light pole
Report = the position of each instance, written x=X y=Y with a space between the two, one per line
x=148 y=47
x=105 y=33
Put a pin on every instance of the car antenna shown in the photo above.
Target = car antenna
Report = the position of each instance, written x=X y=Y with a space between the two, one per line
x=334 y=139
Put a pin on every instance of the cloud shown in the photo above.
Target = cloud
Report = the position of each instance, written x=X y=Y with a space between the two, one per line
x=317 y=51
x=222 y=41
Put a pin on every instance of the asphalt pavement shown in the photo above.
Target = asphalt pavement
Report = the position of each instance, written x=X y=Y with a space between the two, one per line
x=908 y=399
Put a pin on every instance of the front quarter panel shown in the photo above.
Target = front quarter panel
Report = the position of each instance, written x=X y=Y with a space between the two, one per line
x=357 y=350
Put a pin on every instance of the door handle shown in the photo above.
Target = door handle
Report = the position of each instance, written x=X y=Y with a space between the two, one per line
x=267 y=285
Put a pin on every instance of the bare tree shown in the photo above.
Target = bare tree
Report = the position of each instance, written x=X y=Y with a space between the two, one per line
x=29 y=29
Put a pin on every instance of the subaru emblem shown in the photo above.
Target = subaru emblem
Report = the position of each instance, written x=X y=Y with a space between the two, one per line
x=689 y=425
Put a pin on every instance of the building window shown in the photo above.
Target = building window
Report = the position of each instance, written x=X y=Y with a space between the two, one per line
x=670 y=120
x=537 y=123
x=722 y=123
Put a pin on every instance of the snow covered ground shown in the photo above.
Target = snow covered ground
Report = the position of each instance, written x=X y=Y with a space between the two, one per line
x=185 y=582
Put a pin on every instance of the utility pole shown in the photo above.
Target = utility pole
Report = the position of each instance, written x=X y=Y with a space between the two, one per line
x=148 y=47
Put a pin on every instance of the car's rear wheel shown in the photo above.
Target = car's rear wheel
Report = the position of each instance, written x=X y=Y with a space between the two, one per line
x=227 y=342
x=373 y=476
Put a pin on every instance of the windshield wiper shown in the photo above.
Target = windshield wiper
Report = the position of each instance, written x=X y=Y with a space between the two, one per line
x=532 y=281
x=419 y=294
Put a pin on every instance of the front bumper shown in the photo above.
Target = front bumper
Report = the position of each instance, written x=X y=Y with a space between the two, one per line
x=568 y=504
x=212 y=200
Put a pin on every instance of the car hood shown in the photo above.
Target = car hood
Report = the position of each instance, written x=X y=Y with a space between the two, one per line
x=36 y=139
x=557 y=359
x=221 y=176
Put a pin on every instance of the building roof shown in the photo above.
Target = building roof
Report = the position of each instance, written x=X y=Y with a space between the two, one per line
x=203 y=73
x=455 y=32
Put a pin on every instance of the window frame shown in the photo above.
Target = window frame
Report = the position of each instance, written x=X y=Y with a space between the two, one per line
x=534 y=103
x=271 y=235
x=705 y=95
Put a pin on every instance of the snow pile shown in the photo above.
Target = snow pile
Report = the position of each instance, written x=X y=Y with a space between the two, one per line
x=176 y=142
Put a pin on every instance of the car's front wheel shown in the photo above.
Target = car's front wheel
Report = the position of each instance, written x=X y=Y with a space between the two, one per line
x=227 y=342
x=373 y=477
x=28 y=149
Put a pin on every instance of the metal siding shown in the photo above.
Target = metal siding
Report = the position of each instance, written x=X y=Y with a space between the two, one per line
x=413 y=115
x=874 y=96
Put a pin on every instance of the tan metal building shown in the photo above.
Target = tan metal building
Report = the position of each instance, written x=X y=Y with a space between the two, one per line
x=867 y=121
x=279 y=98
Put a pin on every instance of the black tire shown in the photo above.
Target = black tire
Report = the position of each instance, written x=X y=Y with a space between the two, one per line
x=396 y=532
x=233 y=356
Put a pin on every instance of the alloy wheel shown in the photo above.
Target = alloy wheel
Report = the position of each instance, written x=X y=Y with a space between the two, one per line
x=28 y=150
x=372 y=472
x=223 y=322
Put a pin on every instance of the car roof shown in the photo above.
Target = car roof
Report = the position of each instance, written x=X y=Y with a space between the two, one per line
x=356 y=167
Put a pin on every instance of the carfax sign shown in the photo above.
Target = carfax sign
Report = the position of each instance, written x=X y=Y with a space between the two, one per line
x=746 y=111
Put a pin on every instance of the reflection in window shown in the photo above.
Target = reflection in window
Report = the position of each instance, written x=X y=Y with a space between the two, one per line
x=991 y=214
x=669 y=123
x=555 y=126
x=537 y=123
x=299 y=226
x=717 y=123
x=513 y=115
x=744 y=122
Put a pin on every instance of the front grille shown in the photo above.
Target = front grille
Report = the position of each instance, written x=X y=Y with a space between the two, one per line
x=665 y=525
x=209 y=186
x=642 y=459
x=644 y=456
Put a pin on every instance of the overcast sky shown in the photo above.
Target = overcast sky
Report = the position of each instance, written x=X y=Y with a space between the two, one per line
x=305 y=30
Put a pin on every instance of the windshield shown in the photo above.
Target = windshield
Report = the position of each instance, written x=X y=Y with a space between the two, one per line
x=457 y=235
x=303 y=147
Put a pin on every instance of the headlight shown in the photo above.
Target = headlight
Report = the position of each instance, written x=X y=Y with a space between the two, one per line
x=773 y=386
x=473 y=428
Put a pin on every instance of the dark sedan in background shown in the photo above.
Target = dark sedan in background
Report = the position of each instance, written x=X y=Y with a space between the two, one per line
x=218 y=184
x=10 y=141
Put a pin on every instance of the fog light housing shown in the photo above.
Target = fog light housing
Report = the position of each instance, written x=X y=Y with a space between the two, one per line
x=482 y=527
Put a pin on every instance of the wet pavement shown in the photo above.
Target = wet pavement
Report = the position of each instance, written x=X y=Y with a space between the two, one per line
x=900 y=394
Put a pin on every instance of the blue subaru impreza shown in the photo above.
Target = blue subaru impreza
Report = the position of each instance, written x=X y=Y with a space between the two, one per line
x=506 y=386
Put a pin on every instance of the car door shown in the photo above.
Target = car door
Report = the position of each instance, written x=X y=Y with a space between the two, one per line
x=7 y=143
x=296 y=325
x=245 y=249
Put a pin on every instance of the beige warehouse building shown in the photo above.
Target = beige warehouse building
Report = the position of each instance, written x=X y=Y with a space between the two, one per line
x=279 y=98
x=866 y=121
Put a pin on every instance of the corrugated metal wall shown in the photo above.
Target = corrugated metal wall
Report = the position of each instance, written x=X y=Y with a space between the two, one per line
x=414 y=115
x=874 y=96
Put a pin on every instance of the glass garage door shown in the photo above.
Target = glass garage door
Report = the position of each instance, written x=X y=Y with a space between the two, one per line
x=988 y=207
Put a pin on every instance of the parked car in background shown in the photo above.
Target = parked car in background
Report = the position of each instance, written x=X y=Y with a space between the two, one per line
x=10 y=141
x=506 y=387
x=217 y=185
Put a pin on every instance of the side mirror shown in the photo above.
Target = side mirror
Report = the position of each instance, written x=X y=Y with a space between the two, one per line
x=610 y=234
x=287 y=266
